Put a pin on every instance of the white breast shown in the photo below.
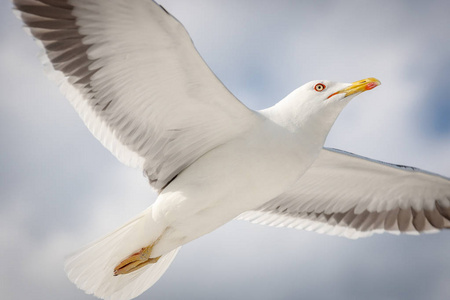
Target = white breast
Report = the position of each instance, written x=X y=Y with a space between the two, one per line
x=232 y=178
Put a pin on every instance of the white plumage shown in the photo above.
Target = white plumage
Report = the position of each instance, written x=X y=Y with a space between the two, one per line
x=91 y=267
x=349 y=195
x=132 y=73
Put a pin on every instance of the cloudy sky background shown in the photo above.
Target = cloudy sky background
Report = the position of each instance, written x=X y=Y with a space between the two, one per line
x=60 y=189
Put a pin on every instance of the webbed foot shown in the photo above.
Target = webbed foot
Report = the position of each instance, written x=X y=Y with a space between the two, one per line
x=136 y=261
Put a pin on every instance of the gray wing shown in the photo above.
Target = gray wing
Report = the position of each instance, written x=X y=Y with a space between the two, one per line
x=353 y=196
x=132 y=73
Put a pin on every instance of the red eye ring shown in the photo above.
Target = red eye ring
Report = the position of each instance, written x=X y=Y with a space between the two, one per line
x=319 y=87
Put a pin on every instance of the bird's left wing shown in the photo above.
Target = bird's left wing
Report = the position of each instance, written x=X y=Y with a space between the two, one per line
x=132 y=73
x=353 y=196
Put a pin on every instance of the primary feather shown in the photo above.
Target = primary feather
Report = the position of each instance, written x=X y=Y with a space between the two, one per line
x=132 y=73
x=353 y=196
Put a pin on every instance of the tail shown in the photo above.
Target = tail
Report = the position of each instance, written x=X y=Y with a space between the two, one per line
x=92 y=268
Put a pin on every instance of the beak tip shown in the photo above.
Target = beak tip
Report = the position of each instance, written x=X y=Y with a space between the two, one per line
x=373 y=83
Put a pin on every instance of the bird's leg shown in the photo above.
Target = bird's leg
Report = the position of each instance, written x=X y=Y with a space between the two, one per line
x=136 y=261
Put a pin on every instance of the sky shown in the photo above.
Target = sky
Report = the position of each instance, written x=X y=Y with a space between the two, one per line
x=60 y=189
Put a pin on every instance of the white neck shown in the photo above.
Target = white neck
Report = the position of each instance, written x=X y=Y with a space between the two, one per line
x=311 y=120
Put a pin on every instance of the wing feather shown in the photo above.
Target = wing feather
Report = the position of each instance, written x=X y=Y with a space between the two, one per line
x=132 y=73
x=353 y=196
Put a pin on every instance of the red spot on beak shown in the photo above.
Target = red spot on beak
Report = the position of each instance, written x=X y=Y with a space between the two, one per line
x=371 y=85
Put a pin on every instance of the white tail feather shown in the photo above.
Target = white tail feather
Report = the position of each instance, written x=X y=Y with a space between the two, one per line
x=92 y=267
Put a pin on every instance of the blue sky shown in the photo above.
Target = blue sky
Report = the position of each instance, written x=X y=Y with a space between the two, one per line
x=60 y=189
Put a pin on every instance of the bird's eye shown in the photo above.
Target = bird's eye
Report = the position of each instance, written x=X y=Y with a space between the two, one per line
x=319 y=87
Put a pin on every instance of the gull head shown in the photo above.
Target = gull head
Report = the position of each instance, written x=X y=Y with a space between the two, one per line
x=314 y=107
x=325 y=92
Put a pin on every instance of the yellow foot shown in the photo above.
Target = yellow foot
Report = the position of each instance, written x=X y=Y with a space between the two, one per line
x=136 y=261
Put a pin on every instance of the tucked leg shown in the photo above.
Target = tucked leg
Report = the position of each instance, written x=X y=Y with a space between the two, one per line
x=136 y=261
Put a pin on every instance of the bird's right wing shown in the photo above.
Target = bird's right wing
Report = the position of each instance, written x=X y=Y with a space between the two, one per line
x=132 y=73
x=353 y=196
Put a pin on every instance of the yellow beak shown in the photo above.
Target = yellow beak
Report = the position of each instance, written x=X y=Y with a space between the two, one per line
x=359 y=87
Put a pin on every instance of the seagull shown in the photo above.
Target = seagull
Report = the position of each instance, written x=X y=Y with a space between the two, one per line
x=131 y=71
